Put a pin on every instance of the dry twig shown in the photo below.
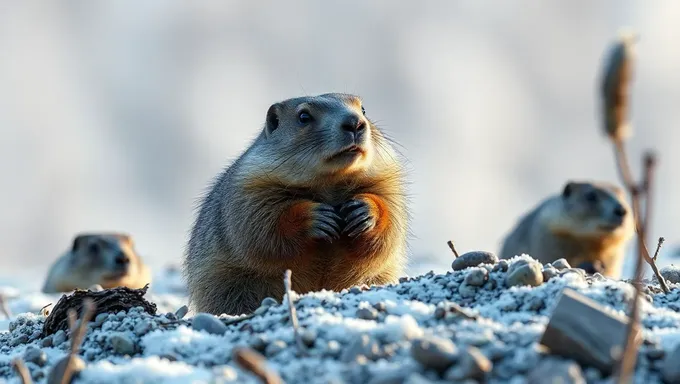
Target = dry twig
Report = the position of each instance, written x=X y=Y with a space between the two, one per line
x=288 y=285
x=4 y=308
x=658 y=247
x=77 y=332
x=22 y=371
x=254 y=363
x=453 y=248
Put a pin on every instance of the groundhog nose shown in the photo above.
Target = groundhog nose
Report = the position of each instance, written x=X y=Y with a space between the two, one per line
x=620 y=211
x=353 y=123
x=122 y=259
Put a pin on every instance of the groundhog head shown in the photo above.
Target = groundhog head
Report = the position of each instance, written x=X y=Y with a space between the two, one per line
x=329 y=134
x=596 y=209
x=103 y=259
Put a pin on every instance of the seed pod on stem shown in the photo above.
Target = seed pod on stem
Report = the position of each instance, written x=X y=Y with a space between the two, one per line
x=618 y=73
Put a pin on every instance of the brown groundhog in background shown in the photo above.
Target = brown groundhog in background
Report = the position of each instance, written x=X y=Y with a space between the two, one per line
x=107 y=259
x=588 y=224
x=320 y=192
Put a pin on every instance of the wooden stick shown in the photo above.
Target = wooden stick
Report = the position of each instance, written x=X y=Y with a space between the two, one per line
x=77 y=335
x=22 y=371
x=287 y=283
x=453 y=248
x=254 y=363
x=658 y=247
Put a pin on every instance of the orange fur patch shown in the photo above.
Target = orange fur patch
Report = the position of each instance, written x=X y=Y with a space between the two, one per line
x=297 y=219
x=378 y=209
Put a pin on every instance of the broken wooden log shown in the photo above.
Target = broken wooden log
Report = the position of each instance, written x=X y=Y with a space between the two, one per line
x=582 y=329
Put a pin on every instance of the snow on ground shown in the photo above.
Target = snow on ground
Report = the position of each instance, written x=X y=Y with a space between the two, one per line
x=356 y=336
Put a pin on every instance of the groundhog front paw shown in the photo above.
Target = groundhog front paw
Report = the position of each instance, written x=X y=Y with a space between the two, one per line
x=357 y=216
x=325 y=223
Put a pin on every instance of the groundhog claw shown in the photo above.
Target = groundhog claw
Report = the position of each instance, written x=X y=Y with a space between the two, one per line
x=357 y=216
x=325 y=223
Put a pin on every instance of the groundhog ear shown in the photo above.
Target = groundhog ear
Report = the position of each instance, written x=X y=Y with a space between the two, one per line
x=77 y=242
x=568 y=189
x=272 y=119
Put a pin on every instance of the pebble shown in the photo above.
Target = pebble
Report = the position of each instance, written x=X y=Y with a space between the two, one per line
x=260 y=342
x=209 y=323
x=100 y=319
x=501 y=266
x=380 y=306
x=467 y=291
x=269 y=302
x=529 y=273
x=58 y=338
x=308 y=336
x=21 y=339
x=473 y=259
x=557 y=370
x=472 y=365
x=96 y=288
x=47 y=341
x=36 y=356
x=549 y=273
x=435 y=352
x=142 y=328
x=122 y=344
x=367 y=313
x=57 y=371
x=671 y=273
x=181 y=312
x=362 y=345
x=670 y=369
x=477 y=277
x=275 y=347
x=561 y=264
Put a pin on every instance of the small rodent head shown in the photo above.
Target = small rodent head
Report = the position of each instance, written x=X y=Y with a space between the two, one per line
x=595 y=209
x=104 y=258
x=329 y=134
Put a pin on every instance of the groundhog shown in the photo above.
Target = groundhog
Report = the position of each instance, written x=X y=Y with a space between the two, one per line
x=588 y=224
x=106 y=259
x=320 y=191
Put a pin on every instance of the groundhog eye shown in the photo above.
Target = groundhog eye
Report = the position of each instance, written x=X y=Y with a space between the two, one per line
x=305 y=118
x=591 y=197
x=93 y=248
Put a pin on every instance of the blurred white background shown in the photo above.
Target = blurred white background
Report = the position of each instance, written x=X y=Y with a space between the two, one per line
x=114 y=115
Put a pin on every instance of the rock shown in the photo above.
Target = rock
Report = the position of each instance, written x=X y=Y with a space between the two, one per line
x=275 y=347
x=476 y=277
x=549 y=273
x=434 y=352
x=122 y=344
x=362 y=345
x=208 y=323
x=380 y=306
x=21 y=339
x=142 y=328
x=556 y=370
x=501 y=266
x=467 y=291
x=57 y=371
x=260 y=342
x=367 y=313
x=36 y=356
x=96 y=288
x=561 y=264
x=181 y=312
x=670 y=369
x=261 y=310
x=671 y=273
x=269 y=302
x=529 y=273
x=308 y=336
x=58 y=338
x=100 y=319
x=473 y=259
x=472 y=365
x=47 y=341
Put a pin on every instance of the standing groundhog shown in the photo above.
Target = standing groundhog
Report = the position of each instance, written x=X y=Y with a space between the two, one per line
x=319 y=192
x=589 y=225
x=107 y=259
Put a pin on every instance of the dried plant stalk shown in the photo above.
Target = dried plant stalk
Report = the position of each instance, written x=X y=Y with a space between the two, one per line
x=618 y=74
x=22 y=371
x=453 y=248
x=77 y=334
x=288 y=285
x=254 y=363
x=4 y=308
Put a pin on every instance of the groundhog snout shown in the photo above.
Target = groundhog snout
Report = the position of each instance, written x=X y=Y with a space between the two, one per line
x=122 y=260
x=353 y=123
x=620 y=211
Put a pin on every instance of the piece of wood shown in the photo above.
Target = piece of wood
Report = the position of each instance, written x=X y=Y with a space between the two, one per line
x=581 y=329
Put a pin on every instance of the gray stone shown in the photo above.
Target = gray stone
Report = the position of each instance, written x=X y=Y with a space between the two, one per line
x=671 y=273
x=467 y=291
x=473 y=259
x=501 y=266
x=529 y=273
x=36 y=356
x=308 y=336
x=556 y=370
x=21 y=339
x=670 y=369
x=472 y=365
x=208 y=323
x=47 y=341
x=100 y=319
x=435 y=352
x=367 y=313
x=95 y=288
x=362 y=346
x=476 y=277
x=549 y=273
x=275 y=347
x=58 y=370
x=122 y=344
x=58 y=338
x=260 y=342
x=561 y=264
x=142 y=328
x=181 y=312
x=269 y=302
x=380 y=306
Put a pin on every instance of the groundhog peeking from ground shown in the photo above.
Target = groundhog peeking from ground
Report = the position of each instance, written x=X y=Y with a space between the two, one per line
x=589 y=224
x=320 y=191
x=106 y=259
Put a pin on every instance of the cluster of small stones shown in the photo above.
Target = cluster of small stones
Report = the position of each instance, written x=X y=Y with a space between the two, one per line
x=480 y=322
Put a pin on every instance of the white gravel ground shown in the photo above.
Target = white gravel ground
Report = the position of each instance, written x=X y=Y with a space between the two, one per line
x=402 y=333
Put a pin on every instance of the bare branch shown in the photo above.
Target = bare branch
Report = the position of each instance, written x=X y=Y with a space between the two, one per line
x=254 y=363
x=77 y=332
x=287 y=283
x=453 y=248
x=658 y=247
x=22 y=371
